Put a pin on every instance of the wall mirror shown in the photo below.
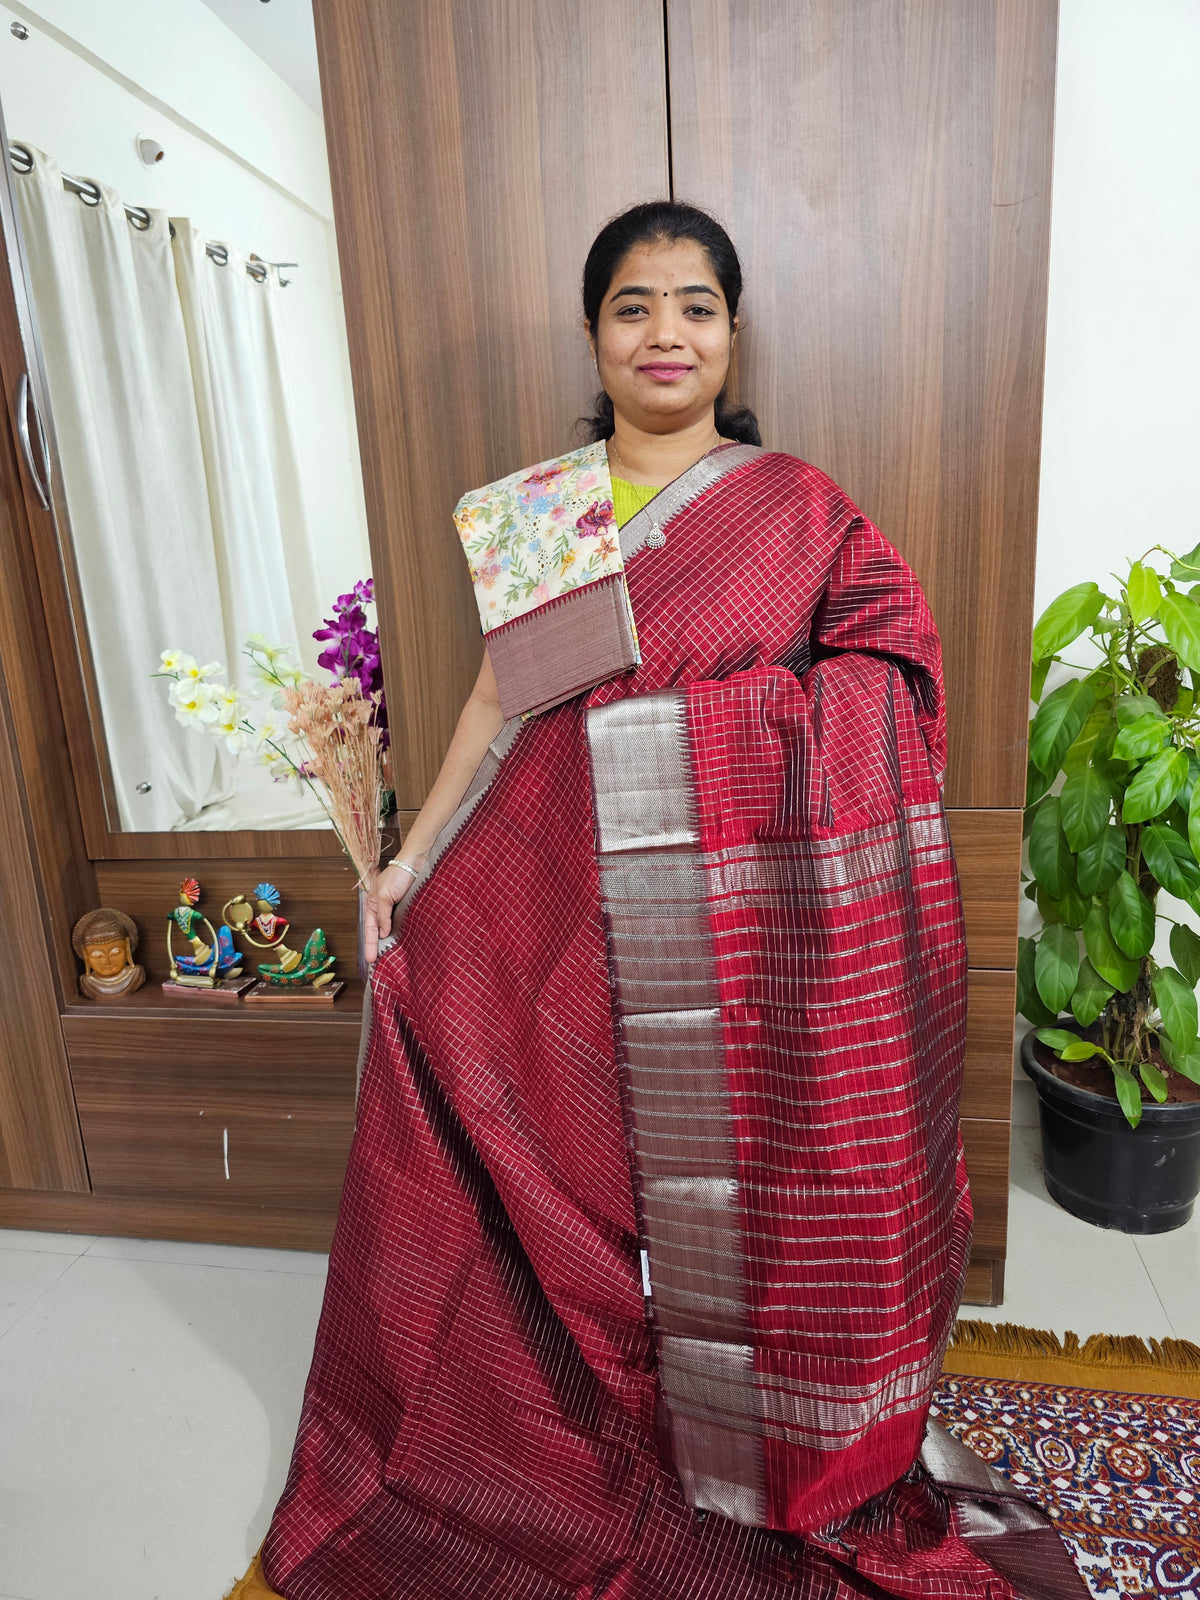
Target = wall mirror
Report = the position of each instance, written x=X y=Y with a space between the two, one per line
x=188 y=408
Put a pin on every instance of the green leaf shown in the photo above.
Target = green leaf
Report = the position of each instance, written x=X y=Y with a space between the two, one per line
x=1072 y=908
x=1102 y=751
x=1185 y=952
x=1155 y=786
x=1081 y=1050
x=1169 y=857
x=1193 y=824
x=1140 y=738
x=1091 y=995
x=1180 y=618
x=1097 y=723
x=1187 y=568
x=1111 y=962
x=1185 y=702
x=1037 y=678
x=1070 y=911
x=1154 y=1080
x=1065 y=619
x=1058 y=721
x=1084 y=806
x=1185 y=1062
x=1056 y=966
x=1184 y=797
x=1128 y=1093
x=1143 y=592
x=1131 y=917
x=1049 y=854
x=1029 y=1002
x=1176 y=1001
x=1098 y=863
x=1057 y=1038
x=1036 y=784
x=1131 y=707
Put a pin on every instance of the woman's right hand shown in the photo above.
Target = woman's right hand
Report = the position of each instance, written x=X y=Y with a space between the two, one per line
x=390 y=888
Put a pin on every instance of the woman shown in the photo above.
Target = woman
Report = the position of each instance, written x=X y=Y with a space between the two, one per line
x=655 y=1220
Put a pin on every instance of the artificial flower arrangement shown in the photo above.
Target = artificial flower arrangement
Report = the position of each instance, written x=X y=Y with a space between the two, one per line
x=331 y=737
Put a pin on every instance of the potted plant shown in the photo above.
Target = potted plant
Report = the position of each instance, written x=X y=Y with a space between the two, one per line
x=1112 y=818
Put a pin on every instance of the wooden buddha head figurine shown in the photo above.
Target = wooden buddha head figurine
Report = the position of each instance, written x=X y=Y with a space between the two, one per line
x=104 y=940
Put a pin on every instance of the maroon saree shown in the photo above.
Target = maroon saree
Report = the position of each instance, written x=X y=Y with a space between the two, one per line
x=655 y=1219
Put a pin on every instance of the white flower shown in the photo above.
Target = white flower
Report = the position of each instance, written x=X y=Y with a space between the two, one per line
x=234 y=735
x=188 y=669
x=173 y=660
x=229 y=703
x=194 y=705
x=282 y=769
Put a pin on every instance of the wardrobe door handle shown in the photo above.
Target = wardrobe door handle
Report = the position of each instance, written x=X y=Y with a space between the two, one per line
x=24 y=398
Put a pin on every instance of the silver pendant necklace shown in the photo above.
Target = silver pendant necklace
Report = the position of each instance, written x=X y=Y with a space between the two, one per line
x=656 y=538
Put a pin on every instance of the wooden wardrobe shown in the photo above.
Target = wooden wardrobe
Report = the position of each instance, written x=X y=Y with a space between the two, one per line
x=884 y=168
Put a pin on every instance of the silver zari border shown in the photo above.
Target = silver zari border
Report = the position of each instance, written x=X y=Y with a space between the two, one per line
x=672 y=1057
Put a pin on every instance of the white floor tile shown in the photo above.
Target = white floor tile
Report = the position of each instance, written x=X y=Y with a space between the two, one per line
x=149 y=1411
x=66 y=1244
x=25 y=1276
x=1173 y=1262
x=184 y=1253
x=1064 y=1274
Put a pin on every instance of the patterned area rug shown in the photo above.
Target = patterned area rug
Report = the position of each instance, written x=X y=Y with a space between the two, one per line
x=1119 y=1472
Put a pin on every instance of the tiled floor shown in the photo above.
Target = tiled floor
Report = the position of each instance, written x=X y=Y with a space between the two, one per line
x=149 y=1391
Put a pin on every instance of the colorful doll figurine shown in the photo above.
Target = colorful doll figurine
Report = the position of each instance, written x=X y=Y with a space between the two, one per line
x=197 y=971
x=263 y=918
x=104 y=941
x=315 y=966
x=309 y=974
x=200 y=964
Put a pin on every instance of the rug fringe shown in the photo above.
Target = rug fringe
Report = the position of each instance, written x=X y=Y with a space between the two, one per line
x=1008 y=1351
x=1100 y=1350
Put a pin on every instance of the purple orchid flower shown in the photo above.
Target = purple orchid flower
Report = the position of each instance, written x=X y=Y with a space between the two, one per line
x=352 y=650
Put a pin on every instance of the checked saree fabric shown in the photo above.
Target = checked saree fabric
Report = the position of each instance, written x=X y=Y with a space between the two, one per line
x=655 y=1218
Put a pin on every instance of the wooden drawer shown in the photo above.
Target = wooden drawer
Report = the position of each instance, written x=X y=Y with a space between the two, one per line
x=238 y=1111
x=986 y=1145
x=987 y=1078
x=987 y=847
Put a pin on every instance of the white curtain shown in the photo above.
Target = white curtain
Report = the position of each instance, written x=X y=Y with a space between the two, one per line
x=170 y=404
x=246 y=437
x=124 y=409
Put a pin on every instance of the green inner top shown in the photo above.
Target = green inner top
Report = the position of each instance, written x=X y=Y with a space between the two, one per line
x=629 y=498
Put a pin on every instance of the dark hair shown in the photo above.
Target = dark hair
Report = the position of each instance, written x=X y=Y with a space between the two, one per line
x=664 y=222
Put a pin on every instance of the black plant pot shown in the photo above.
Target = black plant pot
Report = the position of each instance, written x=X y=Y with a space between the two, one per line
x=1140 y=1180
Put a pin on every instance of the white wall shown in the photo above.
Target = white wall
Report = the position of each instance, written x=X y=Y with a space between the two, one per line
x=245 y=160
x=1121 y=431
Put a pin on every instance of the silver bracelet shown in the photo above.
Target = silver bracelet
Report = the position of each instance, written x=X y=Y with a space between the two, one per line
x=404 y=867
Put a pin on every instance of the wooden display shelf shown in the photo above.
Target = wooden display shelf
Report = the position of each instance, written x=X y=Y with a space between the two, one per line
x=150 y=1002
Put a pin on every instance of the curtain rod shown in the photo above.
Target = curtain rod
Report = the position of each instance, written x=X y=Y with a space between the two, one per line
x=21 y=158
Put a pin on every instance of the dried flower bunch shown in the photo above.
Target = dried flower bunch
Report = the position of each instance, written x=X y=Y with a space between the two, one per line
x=332 y=736
x=340 y=729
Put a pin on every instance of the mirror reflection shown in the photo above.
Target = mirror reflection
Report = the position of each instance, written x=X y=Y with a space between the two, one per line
x=172 y=190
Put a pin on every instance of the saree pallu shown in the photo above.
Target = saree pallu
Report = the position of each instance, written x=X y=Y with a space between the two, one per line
x=655 y=1219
